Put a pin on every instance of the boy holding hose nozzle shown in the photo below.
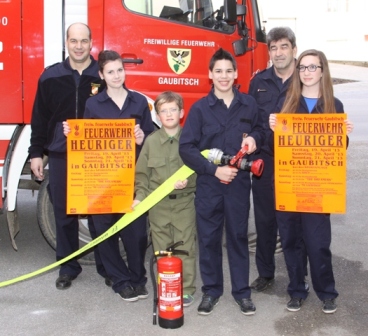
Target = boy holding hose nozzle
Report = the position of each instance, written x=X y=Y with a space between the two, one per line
x=220 y=120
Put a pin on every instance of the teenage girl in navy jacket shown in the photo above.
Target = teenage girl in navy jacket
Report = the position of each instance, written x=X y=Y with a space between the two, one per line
x=310 y=91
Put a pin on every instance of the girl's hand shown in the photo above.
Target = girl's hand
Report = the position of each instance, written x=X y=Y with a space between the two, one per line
x=349 y=126
x=138 y=134
x=272 y=121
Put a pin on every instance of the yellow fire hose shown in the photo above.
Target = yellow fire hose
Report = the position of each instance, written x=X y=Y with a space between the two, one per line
x=162 y=191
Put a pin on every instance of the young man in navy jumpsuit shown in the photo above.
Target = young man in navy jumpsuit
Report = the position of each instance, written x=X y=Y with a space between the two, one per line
x=225 y=119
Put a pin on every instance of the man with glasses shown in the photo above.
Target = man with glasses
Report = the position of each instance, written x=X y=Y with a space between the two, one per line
x=268 y=87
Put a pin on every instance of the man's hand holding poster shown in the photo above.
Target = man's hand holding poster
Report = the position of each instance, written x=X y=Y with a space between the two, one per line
x=101 y=166
x=310 y=163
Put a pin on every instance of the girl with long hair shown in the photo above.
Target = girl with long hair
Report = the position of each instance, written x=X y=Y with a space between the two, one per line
x=310 y=91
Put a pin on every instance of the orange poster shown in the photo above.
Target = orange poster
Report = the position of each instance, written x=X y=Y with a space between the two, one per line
x=310 y=163
x=101 y=166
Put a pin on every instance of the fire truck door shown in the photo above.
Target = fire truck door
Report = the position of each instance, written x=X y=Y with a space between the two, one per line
x=167 y=43
x=10 y=60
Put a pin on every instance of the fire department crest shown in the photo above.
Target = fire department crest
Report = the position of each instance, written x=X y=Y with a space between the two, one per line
x=179 y=59
x=94 y=88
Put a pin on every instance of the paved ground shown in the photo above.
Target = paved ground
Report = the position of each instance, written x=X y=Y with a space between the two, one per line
x=35 y=307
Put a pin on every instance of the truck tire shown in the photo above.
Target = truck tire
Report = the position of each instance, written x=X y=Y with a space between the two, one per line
x=46 y=222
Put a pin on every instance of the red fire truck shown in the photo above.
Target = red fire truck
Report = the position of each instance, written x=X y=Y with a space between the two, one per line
x=165 y=44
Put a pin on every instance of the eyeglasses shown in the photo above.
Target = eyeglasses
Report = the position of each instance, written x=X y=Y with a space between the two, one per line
x=311 y=68
x=171 y=110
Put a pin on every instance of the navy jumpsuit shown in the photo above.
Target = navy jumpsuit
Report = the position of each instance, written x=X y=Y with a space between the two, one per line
x=211 y=124
x=315 y=230
x=61 y=94
x=134 y=236
x=267 y=89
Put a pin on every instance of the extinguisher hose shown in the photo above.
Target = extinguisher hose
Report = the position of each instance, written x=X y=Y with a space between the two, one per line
x=154 y=284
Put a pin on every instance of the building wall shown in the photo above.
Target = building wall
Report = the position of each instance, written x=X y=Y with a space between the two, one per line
x=337 y=27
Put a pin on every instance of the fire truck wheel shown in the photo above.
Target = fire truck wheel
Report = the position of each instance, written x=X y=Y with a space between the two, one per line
x=46 y=222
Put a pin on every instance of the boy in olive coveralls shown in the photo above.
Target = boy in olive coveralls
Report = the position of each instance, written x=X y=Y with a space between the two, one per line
x=173 y=218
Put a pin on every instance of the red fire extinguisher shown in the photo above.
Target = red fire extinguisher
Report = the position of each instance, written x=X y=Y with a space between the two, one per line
x=168 y=292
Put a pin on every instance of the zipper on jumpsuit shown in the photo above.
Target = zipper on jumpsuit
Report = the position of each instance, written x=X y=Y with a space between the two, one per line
x=76 y=102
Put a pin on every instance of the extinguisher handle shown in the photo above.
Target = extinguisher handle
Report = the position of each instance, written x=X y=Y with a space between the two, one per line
x=175 y=252
x=172 y=247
